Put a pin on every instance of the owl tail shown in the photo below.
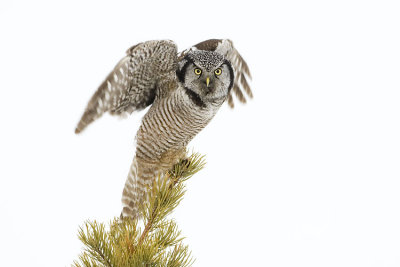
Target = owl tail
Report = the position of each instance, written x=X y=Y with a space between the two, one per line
x=135 y=188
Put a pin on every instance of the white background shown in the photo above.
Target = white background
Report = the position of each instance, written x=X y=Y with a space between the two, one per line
x=306 y=174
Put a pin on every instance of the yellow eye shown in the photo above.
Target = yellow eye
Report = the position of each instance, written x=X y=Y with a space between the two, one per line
x=197 y=71
x=218 y=71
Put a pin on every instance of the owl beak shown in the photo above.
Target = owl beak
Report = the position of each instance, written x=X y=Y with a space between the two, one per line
x=208 y=81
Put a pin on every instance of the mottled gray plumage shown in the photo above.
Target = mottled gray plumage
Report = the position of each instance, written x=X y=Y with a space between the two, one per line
x=184 y=90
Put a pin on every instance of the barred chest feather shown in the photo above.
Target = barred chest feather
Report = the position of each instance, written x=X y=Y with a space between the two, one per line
x=170 y=124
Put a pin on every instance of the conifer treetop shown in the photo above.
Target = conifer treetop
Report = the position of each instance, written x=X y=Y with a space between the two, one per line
x=124 y=243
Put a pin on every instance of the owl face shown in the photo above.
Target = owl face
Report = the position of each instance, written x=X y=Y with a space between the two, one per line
x=208 y=75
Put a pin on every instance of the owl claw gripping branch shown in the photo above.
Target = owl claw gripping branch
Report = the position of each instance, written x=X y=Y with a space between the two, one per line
x=185 y=90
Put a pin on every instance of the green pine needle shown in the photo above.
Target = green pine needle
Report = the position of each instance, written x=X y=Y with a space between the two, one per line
x=159 y=243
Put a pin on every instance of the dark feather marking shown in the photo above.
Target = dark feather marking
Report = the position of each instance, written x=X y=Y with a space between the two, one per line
x=181 y=77
x=230 y=101
x=246 y=86
x=231 y=74
x=195 y=98
x=150 y=98
x=181 y=73
x=245 y=67
x=239 y=94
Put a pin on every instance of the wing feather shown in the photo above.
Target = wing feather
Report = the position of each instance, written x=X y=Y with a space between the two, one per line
x=238 y=93
x=245 y=85
x=230 y=101
x=132 y=83
x=240 y=69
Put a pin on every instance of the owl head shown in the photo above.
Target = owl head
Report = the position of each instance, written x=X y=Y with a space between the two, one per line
x=207 y=75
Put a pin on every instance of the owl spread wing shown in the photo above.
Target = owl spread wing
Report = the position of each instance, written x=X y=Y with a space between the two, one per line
x=239 y=65
x=132 y=84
